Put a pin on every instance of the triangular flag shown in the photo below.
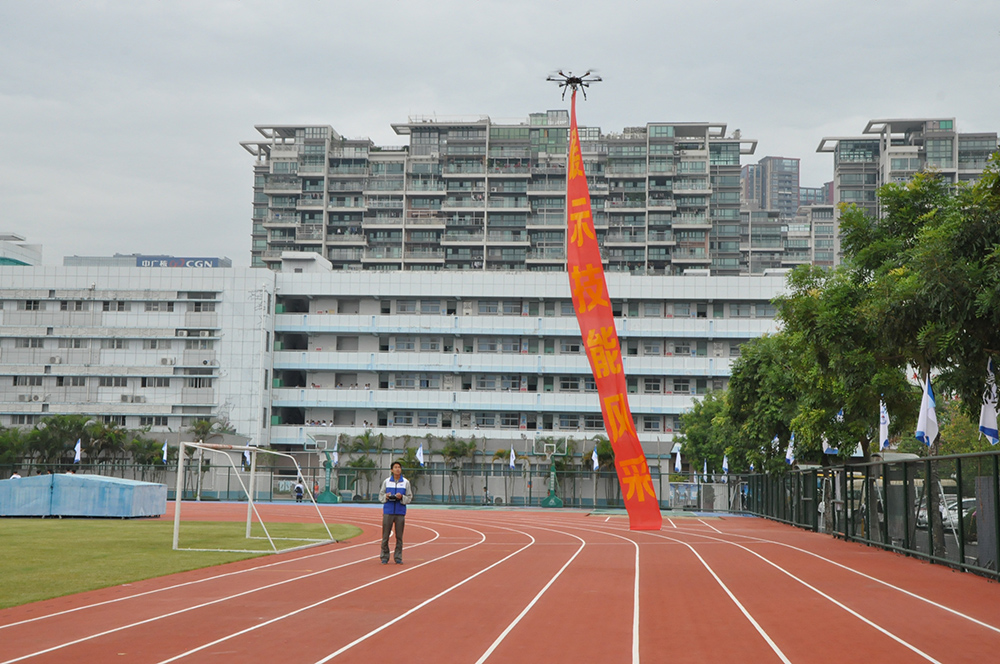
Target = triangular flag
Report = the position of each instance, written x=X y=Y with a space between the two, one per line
x=593 y=457
x=858 y=452
x=883 y=426
x=164 y=451
x=790 y=450
x=677 y=462
x=927 y=426
x=420 y=454
x=512 y=456
x=988 y=413
x=77 y=449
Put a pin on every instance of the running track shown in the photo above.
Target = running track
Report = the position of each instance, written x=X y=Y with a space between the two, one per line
x=529 y=586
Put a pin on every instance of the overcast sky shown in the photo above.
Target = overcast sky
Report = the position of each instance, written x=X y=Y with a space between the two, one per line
x=121 y=121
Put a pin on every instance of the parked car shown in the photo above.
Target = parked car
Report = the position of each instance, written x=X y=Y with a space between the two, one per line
x=949 y=513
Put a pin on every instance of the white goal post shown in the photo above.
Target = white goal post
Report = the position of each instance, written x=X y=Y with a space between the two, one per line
x=250 y=492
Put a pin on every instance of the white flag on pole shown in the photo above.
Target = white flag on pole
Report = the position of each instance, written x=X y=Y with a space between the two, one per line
x=704 y=470
x=725 y=463
x=76 y=457
x=164 y=451
x=988 y=413
x=593 y=457
x=927 y=426
x=246 y=458
x=420 y=454
x=512 y=456
x=829 y=449
x=790 y=450
x=336 y=454
x=883 y=426
x=677 y=462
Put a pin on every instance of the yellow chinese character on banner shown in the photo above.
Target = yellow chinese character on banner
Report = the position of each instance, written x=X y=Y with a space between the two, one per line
x=588 y=287
x=635 y=476
x=620 y=422
x=603 y=350
x=578 y=222
x=575 y=160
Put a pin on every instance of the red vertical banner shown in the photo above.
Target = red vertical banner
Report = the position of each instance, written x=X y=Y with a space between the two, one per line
x=597 y=327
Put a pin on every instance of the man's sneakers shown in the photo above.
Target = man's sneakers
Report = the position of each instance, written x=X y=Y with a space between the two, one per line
x=385 y=562
x=399 y=562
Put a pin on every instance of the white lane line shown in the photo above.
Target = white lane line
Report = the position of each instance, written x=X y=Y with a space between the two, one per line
x=635 y=592
x=822 y=594
x=524 y=612
x=608 y=519
x=947 y=609
x=323 y=601
x=421 y=605
x=672 y=524
x=710 y=526
x=760 y=630
x=185 y=584
x=197 y=606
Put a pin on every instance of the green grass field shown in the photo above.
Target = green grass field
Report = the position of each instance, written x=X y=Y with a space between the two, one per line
x=45 y=558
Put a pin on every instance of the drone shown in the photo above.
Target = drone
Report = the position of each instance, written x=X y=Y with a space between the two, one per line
x=567 y=81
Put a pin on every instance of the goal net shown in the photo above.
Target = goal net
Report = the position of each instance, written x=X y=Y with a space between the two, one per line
x=287 y=543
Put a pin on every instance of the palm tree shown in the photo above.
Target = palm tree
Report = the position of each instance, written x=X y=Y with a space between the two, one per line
x=455 y=452
x=53 y=438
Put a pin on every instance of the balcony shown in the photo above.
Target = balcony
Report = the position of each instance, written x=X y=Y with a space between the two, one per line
x=452 y=237
x=382 y=253
x=345 y=238
x=424 y=254
x=506 y=237
x=451 y=203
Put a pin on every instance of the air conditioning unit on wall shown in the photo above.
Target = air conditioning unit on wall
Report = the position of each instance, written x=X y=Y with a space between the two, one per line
x=167 y=361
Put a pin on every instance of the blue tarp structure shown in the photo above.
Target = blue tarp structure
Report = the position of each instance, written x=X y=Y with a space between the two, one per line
x=81 y=495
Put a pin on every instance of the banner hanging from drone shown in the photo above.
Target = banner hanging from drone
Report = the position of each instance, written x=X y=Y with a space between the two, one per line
x=597 y=327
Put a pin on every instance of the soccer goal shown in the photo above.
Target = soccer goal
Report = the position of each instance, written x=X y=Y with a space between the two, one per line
x=249 y=488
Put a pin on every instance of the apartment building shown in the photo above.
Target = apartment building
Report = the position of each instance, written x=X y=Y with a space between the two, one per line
x=138 y=347
x=480 y=195
x=772 y=184
x=892 y=150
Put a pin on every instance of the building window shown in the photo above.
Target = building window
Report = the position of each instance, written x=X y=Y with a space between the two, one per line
x=427 y=419
x=682 y=386
x=510 y=345
x=512 y=307
x=113 y=381
x=430 y=382
x=652 y=309
x=485 y=420
x=593 y=422
x=510 y=420
x=589 y=384
x=70 y=381
x=650 y=423
x=428 y=344
x=29 y=343
x=488 y=307
x=734 y=350
x=28 y=381
x=29 y=305
x=405 y=343
x=198 y=344
x=430 y=307
x=487 y=345
x=402 y=418
x=203 y=307
x=566 y=308
x=651 y=347
x=406 y=306
x=509 y=382
x=568 y=422
x=405 y=382
x=116 y=305
x=682 y=347
x=117 y=420
x=569 y=384
x=486 y=382
x=198 y=382
x=157 y=421
x=159 y=306
x=24 y=419
x=569 y=346
x=739 y=310
x=651 y=385
x=114 y=343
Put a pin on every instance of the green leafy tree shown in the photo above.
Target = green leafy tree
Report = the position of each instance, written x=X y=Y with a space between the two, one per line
x=13 y=446
x=53 y=438
x=706 y=434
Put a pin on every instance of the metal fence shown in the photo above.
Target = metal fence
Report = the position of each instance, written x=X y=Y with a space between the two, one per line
x=474 y=484
x=942 y=509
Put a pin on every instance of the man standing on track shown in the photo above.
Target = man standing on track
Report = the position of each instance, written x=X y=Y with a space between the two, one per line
x=394 y=496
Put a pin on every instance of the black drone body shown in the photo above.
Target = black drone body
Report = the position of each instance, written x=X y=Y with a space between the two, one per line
x=568 y=81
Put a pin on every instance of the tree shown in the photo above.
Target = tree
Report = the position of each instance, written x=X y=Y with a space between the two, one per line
x=13 y=445
x=702 y=438
x=54 y=437
x=455 y=452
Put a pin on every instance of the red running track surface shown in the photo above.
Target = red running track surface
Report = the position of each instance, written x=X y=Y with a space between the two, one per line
x=497 y=585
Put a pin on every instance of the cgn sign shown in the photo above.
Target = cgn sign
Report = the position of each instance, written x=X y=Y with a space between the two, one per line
x=175 y=261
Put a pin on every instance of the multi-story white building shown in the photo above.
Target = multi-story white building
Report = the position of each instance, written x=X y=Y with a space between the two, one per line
x=310 y=354
x=495 y=355
x=475 y=194
x=15 y=251
x=138 y=347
